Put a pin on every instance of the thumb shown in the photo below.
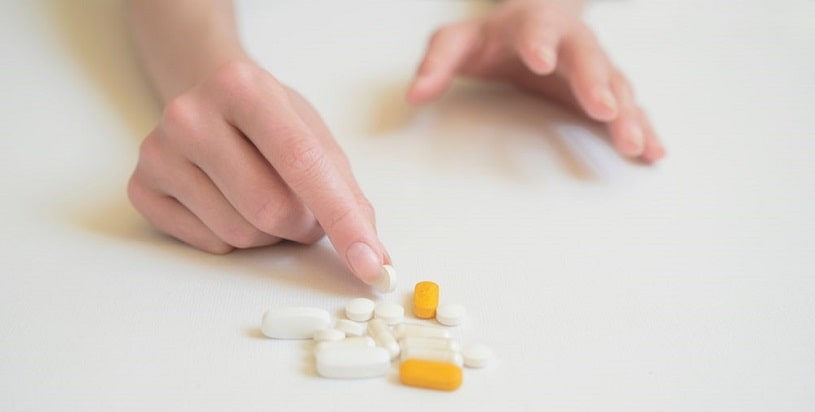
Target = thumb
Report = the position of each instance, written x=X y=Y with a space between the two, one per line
x=447 y=51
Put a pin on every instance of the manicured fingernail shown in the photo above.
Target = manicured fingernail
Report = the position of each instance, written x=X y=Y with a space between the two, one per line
x=609 y=103
x=364 y=262
x=547 y=56
x=634 y=137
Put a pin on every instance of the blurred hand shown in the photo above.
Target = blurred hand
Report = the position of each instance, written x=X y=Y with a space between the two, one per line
x=544 y=47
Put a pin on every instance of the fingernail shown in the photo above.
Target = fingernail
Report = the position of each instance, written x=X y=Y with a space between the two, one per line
x=364 y=262
x=609 y=103
x=633 y=139
x=547 y=56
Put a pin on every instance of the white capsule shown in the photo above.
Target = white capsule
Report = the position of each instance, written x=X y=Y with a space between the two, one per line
x=451 y=314
x=390 y=312
x=352 y=362
x=328 y=334
x=294 y=322
x=438 y=355
x=383 y=337
x=360 y=309
x=352 y=341
x=387 y=279
x=429 y=343
x=350 y=327
x=404 y=330
x=476 y=355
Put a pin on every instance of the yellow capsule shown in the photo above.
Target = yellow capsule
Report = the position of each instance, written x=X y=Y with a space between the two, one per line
x=425 y=300
x=430 y=374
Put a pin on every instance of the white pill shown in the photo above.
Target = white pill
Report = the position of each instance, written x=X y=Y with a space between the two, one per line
x=451 y=314
x=294 y=322
x=383 y=337
x=476 y=355
x=404 y=330
x=390 y=312
x=350 y=327
x=352 y=341
x=351 y=362
x=328 y=334
x=360 y=309
x=429 y=343
x=438 y=355
x=387 y=279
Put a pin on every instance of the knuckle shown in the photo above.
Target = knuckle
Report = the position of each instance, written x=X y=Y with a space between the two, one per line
x=181 y=119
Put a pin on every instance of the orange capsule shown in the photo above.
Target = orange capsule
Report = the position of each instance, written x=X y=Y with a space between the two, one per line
x=425 y=300
x=430 y=374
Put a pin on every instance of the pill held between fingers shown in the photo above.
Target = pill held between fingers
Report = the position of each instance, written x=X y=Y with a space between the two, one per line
x=352 y=362
x=328 y=334
x=294 y=322
x=350 y=327
x=360 y=309
x=430 y=374
x=451 y=314
x=387 y=279
x=476 y=355
x=425 y=299
x=390 y=312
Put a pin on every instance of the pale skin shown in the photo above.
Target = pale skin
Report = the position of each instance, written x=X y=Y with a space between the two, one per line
x=240 y=160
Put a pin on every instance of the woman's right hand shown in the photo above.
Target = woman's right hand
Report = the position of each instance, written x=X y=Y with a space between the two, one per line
x=240 y=161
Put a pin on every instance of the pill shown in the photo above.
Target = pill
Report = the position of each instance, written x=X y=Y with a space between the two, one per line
x=383 y=337
x=351 y=362
x=294 y=322
x=476 y=355
x=430 y=374
x=425 y=299
x=390 y=312
x=404 y=330
x=328 y=334
x=432 y=354
x=352 y=341
x=451 y=314
x=387 y=280
x=350 y=327
x=360 y=309
x=431 y=343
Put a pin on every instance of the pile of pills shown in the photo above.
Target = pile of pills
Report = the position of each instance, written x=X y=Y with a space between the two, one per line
x=375 y=335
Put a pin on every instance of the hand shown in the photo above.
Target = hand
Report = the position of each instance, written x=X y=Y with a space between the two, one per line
x=241 y=161
x=544 y=47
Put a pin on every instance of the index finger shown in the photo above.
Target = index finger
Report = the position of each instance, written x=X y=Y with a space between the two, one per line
x=270 y=122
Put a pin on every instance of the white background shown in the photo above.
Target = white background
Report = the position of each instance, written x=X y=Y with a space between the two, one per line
x=601 y=284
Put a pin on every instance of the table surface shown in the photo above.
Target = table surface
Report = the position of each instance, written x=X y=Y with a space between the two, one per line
x=601 y=284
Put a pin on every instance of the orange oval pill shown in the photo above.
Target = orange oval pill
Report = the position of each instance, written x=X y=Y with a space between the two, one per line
x=425 y=300
x=430 y=374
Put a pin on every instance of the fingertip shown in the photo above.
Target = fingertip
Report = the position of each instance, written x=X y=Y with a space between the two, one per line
x=426 y=87
x=364 y=262
x=541 y=60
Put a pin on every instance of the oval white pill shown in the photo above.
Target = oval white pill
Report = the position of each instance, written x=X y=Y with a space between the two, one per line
x=350 y=327
x=476 y=355
x=390 y=312
x=294 y=322
x=438 y=355
x=352 y=341
x=360 y=309
x=451 y=314
x=404 y=330
x=328 y=334
x=351 y=362
x=383 y=337
x=387 y=280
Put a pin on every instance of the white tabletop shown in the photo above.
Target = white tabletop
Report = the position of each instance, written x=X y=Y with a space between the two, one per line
x=601 y=284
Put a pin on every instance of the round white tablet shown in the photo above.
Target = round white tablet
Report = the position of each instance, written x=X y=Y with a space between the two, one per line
x=387 y=280
x=451 y=314
x=476 y=355
x=360 y=309
x=390 y=312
